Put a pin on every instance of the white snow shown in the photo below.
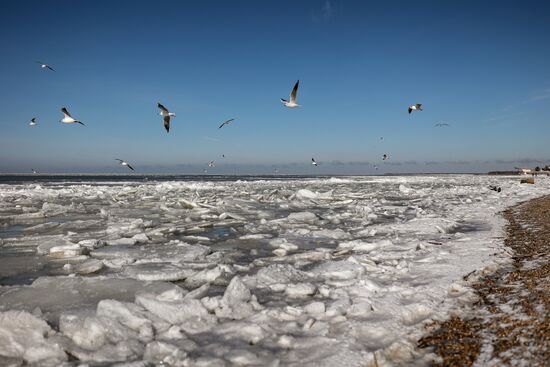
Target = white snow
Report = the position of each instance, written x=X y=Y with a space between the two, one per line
x=309 y=272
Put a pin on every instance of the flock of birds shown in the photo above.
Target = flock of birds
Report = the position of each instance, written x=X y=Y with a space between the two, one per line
x=167 y=115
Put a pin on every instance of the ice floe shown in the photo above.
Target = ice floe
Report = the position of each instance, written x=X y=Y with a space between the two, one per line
x=297 y=272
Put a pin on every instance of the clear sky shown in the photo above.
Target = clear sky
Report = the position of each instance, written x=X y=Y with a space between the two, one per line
x=483 y=67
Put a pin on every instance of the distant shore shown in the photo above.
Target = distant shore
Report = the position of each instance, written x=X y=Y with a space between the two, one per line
x=510 y=322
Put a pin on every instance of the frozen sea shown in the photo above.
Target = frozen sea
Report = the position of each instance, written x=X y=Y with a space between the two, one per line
x=223 y=271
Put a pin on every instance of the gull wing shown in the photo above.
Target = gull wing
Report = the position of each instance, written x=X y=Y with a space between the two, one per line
x=166 y=122
x=410 y=110
x=226 y=123
x=130 y=167
x=163 y=109
x=294 y=91
x=49 y=67
x=120 y=160
x=66 y=113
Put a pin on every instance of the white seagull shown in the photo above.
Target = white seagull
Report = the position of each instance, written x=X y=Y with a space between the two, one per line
x=34 y=171
x=45 y=66
x=124 y=163
x=415 y=107
x=292 y=103
x=385 y=157
x=211 y=164
x=68 y=119
x=313 y=162
x=166 y=116
x=33 y=121
x=227 y=122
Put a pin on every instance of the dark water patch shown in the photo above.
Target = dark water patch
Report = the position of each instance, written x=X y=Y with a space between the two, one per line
x=12 y=231
x=468 y=227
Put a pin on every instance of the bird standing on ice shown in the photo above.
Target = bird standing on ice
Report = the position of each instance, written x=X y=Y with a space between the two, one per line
x=33 y=121
x=68 y=119
x=45 y=66
x=313 y=162
x=415 y=107
x=292 y=103
x=124 y=163
x=166 y=116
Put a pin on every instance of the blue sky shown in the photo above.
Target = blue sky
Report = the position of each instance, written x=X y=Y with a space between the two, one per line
x=481 y=66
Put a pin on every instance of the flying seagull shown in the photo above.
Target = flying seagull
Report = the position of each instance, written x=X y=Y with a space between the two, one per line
x=227 y=122
x=441 y=125
x=223 y=155
x=33 y=121
x=313 y=162
x=292 y=103
x=166 y=116
x=211 y=164
x=415 y=107
x=45 y=66
x=385 y=157
x=68 y=119
x=34 y=171
x=124 y=163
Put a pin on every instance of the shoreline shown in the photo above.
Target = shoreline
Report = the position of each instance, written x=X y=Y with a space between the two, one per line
x=509 y=324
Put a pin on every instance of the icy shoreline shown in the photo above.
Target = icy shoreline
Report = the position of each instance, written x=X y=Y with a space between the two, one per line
x=294 y=272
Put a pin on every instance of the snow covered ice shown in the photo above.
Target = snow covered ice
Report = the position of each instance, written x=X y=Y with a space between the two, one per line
x=298 y=272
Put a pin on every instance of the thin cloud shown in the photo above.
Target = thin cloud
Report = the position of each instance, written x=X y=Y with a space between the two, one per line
x=540 y=96
x=324 y=13
x=326 y=10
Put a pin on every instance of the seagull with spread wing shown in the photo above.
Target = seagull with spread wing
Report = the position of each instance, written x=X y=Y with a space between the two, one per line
x=33 y=122
x=45 y=66
x=165 y=116
x=124 y=163
x=313 y=162
x=292 y=103
x=68 y=119
x=415 y=107
x=226 y=122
